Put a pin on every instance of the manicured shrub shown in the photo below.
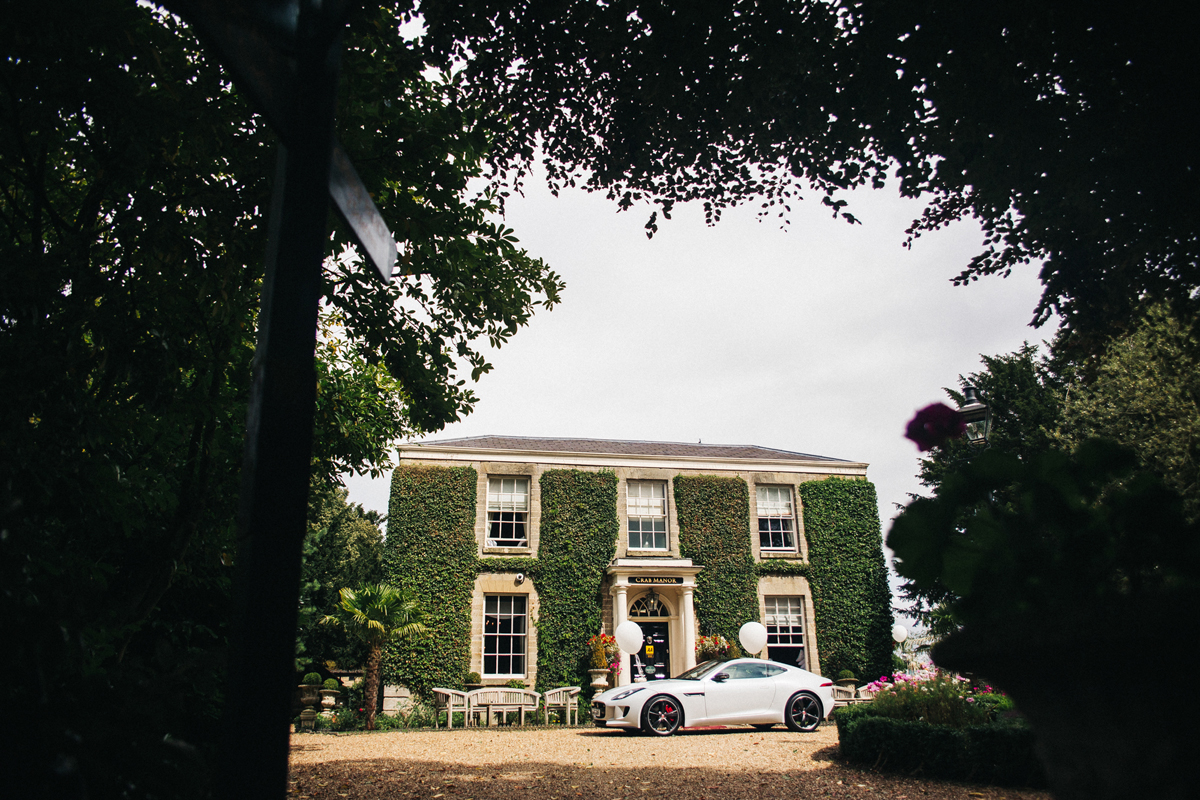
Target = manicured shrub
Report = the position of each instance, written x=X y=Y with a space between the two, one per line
x=997 y=752
x=332 y=684
x=312 y=679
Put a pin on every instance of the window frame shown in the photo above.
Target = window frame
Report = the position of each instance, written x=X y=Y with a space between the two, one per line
x=499 y=635
x=630 y=516
x=790 y=518
x=773 y=600
x=499 y=508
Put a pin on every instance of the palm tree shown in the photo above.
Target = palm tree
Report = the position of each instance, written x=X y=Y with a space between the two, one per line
x=377 y=613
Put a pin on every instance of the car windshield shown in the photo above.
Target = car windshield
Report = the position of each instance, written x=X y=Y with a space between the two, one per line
x=700 y=670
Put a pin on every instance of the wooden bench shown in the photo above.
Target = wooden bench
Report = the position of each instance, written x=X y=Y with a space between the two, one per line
x=848 y=695
x=450 y=701
x=500 y=700
x=565 y=698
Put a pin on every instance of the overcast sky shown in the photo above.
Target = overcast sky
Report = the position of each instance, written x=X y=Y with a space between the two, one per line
x=820 y=338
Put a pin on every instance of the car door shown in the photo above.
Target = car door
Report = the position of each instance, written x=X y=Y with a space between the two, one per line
x=740 y=692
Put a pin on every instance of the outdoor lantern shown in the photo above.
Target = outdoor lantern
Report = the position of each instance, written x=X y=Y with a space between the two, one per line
x=652 y=604
x=977 y=414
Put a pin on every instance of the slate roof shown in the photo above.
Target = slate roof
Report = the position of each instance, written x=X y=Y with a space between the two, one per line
x=625 y=447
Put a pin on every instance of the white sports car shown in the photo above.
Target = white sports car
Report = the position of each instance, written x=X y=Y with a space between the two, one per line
x=744 y=691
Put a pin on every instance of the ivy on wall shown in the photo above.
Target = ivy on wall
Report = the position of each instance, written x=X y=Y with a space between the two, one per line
x=848 y=577
x=579 y=531
x=430 y=547
x=779 y=566
x=714 y=531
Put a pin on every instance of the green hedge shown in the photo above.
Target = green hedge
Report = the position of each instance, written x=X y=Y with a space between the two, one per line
x=848 y=577
x=714 y=531
x=578 y=540
x=998 y=753
x=430 y=546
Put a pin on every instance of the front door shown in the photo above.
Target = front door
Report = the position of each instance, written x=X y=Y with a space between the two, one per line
x=656 y=651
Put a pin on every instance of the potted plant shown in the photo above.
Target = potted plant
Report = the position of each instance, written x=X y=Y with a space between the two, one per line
x=846 y=678
x=329 y=692
x=604 y=652
x=310 y=687
x=716 y=648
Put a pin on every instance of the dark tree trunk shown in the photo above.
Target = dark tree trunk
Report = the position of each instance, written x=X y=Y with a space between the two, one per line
x=371 y=700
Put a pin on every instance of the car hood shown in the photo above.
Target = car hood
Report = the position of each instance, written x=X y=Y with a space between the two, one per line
x=651 y=688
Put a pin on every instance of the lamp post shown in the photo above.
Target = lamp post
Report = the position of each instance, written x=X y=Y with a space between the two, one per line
x=978 y=416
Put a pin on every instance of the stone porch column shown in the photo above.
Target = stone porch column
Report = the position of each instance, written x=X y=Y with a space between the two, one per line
x=689 y=629
x=621 y=614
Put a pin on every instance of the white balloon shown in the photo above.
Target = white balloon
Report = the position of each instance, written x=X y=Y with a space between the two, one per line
x=753 y=637
x=629 y=636
x=899 y=633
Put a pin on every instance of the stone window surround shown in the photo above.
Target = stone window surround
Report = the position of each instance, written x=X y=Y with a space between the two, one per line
x=793 y=586
x=624 y=476
x=490 y=583
x=779 y=479
x=488 y=470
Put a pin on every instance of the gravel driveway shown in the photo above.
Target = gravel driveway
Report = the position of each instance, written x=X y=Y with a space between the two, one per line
x=569 y=763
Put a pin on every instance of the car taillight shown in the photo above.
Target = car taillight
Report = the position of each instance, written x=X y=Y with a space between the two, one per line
x=826 y=683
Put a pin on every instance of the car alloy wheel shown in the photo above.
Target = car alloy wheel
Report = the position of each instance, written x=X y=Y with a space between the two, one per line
x=803 y=712
x=662 y=716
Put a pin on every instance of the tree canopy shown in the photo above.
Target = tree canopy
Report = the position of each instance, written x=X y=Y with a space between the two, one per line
x=1065 y=129
x=1141 y=393
x=134 y=181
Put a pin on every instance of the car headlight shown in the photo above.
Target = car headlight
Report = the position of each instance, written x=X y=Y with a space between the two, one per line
x=626 y=693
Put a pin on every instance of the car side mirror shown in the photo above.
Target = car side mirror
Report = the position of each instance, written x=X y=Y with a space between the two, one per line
x=721 y=677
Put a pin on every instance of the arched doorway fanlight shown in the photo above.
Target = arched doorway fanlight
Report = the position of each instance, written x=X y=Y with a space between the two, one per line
x=648 y=605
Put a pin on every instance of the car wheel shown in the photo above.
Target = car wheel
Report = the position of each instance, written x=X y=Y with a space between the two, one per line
x=766 y=726
x=662 y=715
x=803 y=712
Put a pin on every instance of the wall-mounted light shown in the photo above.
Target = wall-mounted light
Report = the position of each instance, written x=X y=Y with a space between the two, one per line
x=520 y=578
x=652 y=604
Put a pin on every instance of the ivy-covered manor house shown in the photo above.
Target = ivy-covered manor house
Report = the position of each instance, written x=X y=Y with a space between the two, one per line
x=522 y=548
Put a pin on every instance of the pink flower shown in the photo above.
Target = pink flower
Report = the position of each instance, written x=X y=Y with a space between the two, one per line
x=934 y=424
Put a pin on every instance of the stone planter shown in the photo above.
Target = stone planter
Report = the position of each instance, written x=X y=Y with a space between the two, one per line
x=309 y=694
x=329 y=698
x=1081 y=679
x=599 y=679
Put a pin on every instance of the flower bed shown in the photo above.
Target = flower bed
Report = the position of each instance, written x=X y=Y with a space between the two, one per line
x=940 y=725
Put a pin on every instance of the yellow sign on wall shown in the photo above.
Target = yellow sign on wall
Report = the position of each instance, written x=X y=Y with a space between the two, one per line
x=649 y=650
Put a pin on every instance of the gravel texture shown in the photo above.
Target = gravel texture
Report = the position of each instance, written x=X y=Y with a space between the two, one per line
x=569 y=763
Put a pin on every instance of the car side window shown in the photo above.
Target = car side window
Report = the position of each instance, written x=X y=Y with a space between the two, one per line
x=733 y=672
x=745 y=671
x=771 y=670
